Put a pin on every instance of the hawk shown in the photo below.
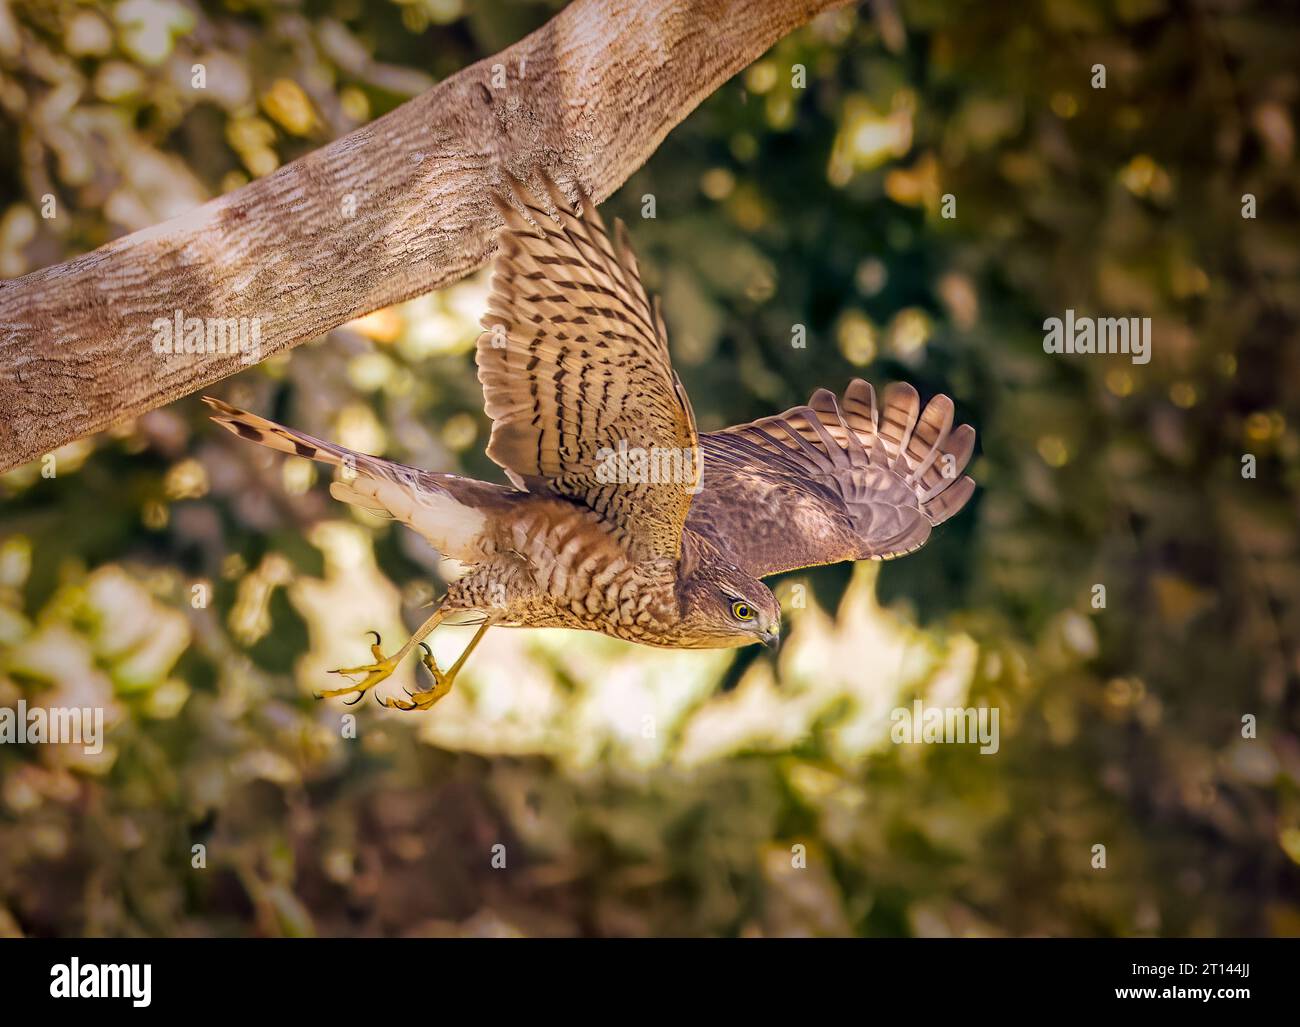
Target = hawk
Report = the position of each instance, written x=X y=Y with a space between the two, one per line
x=620 y=517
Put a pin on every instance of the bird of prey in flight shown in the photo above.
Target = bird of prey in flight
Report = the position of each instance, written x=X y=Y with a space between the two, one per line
x=620 y=517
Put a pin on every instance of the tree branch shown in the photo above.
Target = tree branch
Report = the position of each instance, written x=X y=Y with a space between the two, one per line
x=392 y=210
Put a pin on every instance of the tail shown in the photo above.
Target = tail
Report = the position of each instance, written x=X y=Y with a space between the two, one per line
x=286 y=440
x=419 y=499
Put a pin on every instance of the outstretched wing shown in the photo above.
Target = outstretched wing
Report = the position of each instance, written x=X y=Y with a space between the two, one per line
x=576 y=375
x=833 y=481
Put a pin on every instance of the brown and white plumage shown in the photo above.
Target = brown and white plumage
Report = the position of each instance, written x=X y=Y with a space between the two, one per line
x=574 y=360
x=574 y=364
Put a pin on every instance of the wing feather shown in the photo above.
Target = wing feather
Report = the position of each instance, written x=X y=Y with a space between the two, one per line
x=574 y=365
x=834 y=480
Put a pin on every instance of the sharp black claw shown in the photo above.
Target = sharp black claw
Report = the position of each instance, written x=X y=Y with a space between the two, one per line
x=360 y=696
x=427 y=651
x=315 y=695
x=378 y=640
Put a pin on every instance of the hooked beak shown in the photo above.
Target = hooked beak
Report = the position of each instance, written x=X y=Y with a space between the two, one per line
x=771 y=640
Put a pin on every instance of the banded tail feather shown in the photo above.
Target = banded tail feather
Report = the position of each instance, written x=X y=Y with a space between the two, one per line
x=420 y=499
x=284 y=440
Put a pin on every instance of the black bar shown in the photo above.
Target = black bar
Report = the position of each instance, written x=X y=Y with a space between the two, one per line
x=541 y=977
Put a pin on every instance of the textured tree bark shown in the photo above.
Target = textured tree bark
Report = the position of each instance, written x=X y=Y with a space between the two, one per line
x=393 y=209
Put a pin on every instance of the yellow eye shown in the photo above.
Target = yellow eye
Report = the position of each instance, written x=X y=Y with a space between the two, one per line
x=742 y=611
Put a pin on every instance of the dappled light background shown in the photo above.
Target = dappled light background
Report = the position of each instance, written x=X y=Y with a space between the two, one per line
x=199 y=588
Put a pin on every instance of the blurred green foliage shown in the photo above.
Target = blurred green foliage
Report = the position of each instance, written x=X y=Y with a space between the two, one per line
x=199 y=590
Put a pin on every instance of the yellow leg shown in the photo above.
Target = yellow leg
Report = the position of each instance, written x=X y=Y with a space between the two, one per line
x=383 y=666
x=441 y=682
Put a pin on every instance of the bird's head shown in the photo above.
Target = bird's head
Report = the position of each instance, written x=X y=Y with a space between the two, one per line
x=722 y=606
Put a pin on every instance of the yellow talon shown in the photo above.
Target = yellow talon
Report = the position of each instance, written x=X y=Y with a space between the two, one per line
x=374 y=673
x=422 y=700
x=385 y=665
x=428 y=660
x=441 y=682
